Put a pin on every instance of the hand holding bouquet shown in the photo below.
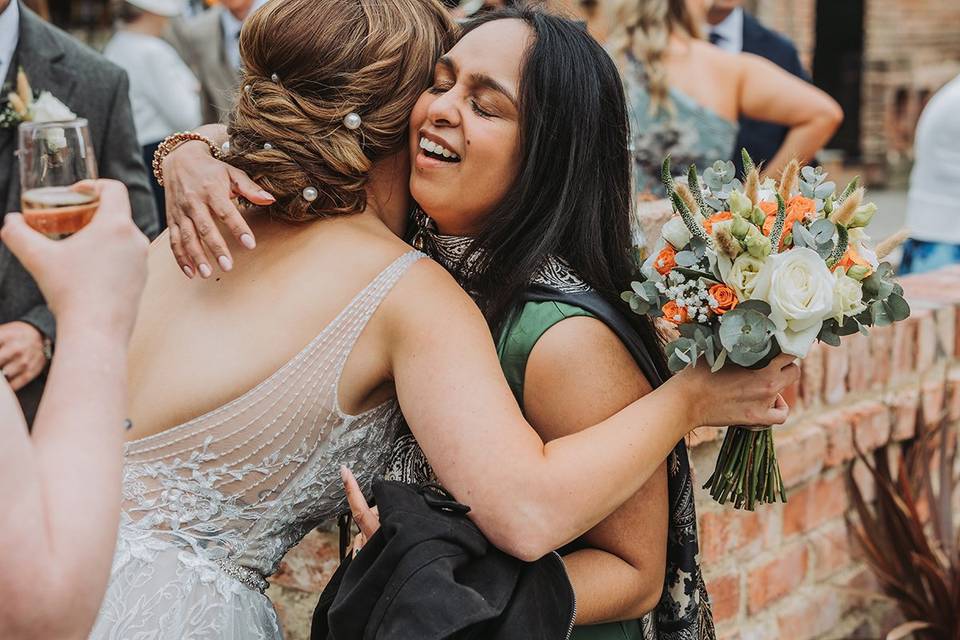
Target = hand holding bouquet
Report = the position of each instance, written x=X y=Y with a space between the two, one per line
x=750 y=269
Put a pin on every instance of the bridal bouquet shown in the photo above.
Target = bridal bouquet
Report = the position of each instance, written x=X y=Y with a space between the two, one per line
x=747 y=269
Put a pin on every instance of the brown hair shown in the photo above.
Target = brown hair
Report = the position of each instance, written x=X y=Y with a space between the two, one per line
x=643 y=28
x=309 y=63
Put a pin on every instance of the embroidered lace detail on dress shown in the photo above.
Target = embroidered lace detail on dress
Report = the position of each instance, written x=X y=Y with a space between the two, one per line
x=211 y=506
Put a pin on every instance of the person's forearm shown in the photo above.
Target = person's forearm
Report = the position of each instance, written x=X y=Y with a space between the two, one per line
x=608 y=588
x=557 y=497
x=78 y=441
x=802 y=142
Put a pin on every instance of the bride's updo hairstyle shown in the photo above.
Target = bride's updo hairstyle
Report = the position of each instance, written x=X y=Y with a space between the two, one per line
x=310 y=64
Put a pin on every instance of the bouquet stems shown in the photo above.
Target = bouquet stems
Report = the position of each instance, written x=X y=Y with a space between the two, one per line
x=747 y=470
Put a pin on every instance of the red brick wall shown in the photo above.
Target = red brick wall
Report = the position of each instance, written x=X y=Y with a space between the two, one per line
x=786 y=571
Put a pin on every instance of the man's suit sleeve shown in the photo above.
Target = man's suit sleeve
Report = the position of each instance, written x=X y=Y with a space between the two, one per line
x=42 y=318
x=121 y=158
x=792 y=63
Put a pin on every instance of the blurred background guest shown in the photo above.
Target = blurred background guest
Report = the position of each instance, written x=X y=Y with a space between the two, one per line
x=933 y=202
x=686 y=95
x=210 y=43
x=735 y=30
x=95 y=89
x=164 y=93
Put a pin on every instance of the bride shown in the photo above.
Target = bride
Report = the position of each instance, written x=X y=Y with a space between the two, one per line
x=240 y=456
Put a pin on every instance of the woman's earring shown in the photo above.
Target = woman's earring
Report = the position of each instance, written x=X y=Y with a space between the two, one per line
x=425 y=229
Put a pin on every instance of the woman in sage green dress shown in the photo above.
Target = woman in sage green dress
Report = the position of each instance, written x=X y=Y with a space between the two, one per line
x=546 y=261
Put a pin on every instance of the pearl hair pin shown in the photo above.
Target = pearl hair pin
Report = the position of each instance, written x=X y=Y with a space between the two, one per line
x=274 y=77
x=267 y=146
x=352 y=121
x=310 y=194
x=225 y=148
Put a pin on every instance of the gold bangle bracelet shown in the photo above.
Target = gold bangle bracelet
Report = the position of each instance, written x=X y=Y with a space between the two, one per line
x=173 y=141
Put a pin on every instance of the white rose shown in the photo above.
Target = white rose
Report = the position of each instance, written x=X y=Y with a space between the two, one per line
x=799 y=289
x=742 y=275
x=676 y=233
x=47 y=108
x=847 y=296
x=860 y=242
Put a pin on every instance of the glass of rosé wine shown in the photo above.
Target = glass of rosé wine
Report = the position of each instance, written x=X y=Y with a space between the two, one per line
x=57 y=169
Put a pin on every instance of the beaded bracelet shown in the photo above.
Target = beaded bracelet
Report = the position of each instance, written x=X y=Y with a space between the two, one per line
x=173 y=141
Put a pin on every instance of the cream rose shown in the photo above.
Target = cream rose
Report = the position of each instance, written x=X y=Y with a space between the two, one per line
x=799 y=289
x=676 y=233
x=742 y=275
x=847 y=296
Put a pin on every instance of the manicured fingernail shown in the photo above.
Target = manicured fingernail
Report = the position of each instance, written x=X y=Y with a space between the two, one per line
x=225 y=263
x=343 y=473
x=205 y=271
x=267 y=196
x=248 y=241
x=187 y=271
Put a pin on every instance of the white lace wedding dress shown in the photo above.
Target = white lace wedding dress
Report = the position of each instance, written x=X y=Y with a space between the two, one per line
x=211 y=506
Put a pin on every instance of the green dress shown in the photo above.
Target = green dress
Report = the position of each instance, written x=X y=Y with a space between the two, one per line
x=514 y=347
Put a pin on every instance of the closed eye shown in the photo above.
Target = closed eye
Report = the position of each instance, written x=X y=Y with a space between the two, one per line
x=480 y=112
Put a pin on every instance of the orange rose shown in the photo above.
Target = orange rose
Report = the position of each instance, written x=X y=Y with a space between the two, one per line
x=673 y=313
x=800 y=207
x=725 y=297
x=768 y=207
x=666 y=260
x=850 y=258
x=720 y=216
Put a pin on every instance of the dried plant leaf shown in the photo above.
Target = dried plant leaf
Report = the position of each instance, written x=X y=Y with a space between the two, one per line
x=887 y=246
x=789 y=179
x=906 y=629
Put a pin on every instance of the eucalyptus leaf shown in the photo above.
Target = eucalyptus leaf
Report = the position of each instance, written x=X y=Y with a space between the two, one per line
x=749 y=358
x=823 y=229
x=825 y=189
x=754 y=305
x=808 y=173
x=807 y=190
x=803 y=238
x=897 y=307
x=686 y=259
x=880 y=315
x=829 y=338
x=719 y=362
x=696 y=273
x=699 y=246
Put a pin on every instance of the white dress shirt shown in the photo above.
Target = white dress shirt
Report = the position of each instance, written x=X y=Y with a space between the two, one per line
x=730 y=32
x=231 y=33
x=933 y=203
x=164 y=93
x=9 y=36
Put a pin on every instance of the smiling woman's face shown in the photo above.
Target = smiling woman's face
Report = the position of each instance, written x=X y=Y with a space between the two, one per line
x=464 y=130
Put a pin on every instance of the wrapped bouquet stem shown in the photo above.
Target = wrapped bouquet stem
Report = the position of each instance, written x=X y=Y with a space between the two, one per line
x=748 y=269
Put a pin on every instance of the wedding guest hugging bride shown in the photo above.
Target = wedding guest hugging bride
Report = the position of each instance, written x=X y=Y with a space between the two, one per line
x=299 y=358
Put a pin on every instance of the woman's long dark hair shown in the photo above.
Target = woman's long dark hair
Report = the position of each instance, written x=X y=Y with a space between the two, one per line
x=572 y=197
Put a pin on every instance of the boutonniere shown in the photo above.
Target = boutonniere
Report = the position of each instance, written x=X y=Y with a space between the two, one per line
x=23 y=105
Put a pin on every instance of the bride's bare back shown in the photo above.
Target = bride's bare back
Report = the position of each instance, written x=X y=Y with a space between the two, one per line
x=200 y=344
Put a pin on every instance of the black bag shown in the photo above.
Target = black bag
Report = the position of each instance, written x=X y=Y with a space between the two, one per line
x=430 y=574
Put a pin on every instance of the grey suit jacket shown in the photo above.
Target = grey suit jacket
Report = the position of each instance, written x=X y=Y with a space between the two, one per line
x=94 y=89
x=200 y=42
